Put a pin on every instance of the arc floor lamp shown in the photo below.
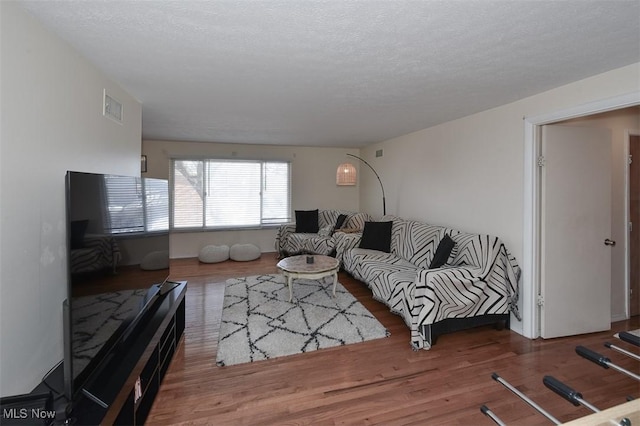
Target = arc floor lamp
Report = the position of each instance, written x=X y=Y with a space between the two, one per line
x=352 y=173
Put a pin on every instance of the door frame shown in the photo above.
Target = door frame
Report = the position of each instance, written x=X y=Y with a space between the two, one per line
x=531 y=261
x=627 y=204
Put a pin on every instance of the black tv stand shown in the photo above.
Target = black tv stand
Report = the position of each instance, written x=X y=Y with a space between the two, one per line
x=123 y=391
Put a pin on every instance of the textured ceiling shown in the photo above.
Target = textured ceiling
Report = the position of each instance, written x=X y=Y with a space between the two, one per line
x=337 y=73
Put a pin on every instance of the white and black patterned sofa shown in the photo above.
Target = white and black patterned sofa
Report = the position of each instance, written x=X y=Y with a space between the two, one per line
x=317 y=233
x=477 y=283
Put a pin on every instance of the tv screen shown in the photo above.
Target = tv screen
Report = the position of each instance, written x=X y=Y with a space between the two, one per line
x=118 y=255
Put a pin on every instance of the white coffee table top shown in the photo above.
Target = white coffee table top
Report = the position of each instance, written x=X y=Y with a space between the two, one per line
x=298 y=264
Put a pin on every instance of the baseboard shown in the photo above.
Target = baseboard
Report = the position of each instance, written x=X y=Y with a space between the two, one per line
x=620 y=317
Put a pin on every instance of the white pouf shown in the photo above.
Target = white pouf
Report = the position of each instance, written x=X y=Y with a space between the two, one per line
x=213 y=254
x=244 y=252
x=155 y=260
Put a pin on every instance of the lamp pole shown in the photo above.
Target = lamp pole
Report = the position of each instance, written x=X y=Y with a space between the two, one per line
x=384 y=202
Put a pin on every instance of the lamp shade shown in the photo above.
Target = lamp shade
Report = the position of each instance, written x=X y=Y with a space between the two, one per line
x=346 y=175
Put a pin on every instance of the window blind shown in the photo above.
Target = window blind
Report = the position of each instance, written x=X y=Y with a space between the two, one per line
x=156 y=204
x=135 y=205
x=275 y=199
x=215 y=193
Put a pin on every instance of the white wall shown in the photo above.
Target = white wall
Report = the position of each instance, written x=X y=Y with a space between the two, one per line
x=313 y=175
x=468 y=173
x=618 y=122
x=51 y=104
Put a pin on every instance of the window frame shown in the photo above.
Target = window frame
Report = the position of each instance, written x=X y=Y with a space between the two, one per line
x=205 y=227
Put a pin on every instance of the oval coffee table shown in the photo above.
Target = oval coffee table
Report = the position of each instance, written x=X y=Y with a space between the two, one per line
x=297 y=267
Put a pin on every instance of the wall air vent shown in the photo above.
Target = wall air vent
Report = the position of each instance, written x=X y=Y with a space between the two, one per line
x=111 y=108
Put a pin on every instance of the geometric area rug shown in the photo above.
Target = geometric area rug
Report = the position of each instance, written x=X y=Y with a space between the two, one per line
x=259 y=323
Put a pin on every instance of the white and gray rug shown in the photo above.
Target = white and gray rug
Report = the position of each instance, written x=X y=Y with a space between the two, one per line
x=259 y=323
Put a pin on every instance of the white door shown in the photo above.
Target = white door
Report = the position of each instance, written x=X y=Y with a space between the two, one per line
x=575 y=228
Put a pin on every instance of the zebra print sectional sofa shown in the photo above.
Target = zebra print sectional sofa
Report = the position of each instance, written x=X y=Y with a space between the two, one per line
x=476 y=285
x=317 y=234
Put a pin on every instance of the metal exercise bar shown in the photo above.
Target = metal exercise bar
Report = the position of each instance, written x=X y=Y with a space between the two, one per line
x=526 y=399
x=629 y=338
x=603 y=361
x=575 y=397
x=567 y=393
x=622 y=351
x=485 y=410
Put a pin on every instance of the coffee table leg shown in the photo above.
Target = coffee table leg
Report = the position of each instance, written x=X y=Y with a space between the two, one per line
x=290 y=284
x=335 y=282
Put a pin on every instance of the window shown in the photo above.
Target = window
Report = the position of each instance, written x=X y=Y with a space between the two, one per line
x=136 y=205
x=230 y=193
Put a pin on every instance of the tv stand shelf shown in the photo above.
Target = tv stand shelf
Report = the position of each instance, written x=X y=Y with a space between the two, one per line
x=130 y=380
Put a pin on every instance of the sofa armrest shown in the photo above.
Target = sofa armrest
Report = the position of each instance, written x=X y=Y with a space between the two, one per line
x=467 y=291
x=436 y=297
x=345 y=241
x=498 y=267
x=357 y=220
x=283 y=234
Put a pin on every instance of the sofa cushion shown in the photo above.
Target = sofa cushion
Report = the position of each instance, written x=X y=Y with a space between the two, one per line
x=416 y=241
x=373 y=266
x=327 y=217
x=468 y=250
x=307 y=221
x=325 y=231
x=442 y=252
x=319 y=245
x=296 y=242
x=359 y=258
x=356 y=220
x=309 y=243
x=376 y=236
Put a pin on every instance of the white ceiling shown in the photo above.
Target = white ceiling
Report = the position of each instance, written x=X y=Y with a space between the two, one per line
x=337 y=72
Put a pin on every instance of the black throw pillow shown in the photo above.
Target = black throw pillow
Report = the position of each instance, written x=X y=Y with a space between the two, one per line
x=442 y=252
x=340 y=222
x=78 y=228
x=376 y=236
x=307 y=221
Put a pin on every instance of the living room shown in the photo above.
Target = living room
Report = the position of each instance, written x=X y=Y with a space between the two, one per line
x=468 y=173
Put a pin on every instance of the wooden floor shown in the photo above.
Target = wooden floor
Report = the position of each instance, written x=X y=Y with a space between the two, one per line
x=377 y=382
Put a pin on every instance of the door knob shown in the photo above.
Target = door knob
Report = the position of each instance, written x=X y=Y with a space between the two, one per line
x=609 y=242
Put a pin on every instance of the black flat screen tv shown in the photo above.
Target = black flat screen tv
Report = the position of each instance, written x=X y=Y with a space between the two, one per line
x=118 y=260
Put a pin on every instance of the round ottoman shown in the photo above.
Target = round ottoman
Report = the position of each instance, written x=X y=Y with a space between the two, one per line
x=244 y=252
x=213 y=254
x=155 y=260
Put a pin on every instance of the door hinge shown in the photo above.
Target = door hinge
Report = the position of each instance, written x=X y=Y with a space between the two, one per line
x=630 y=226
x=540 y=300
x=630 y=158
x=541 y=161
